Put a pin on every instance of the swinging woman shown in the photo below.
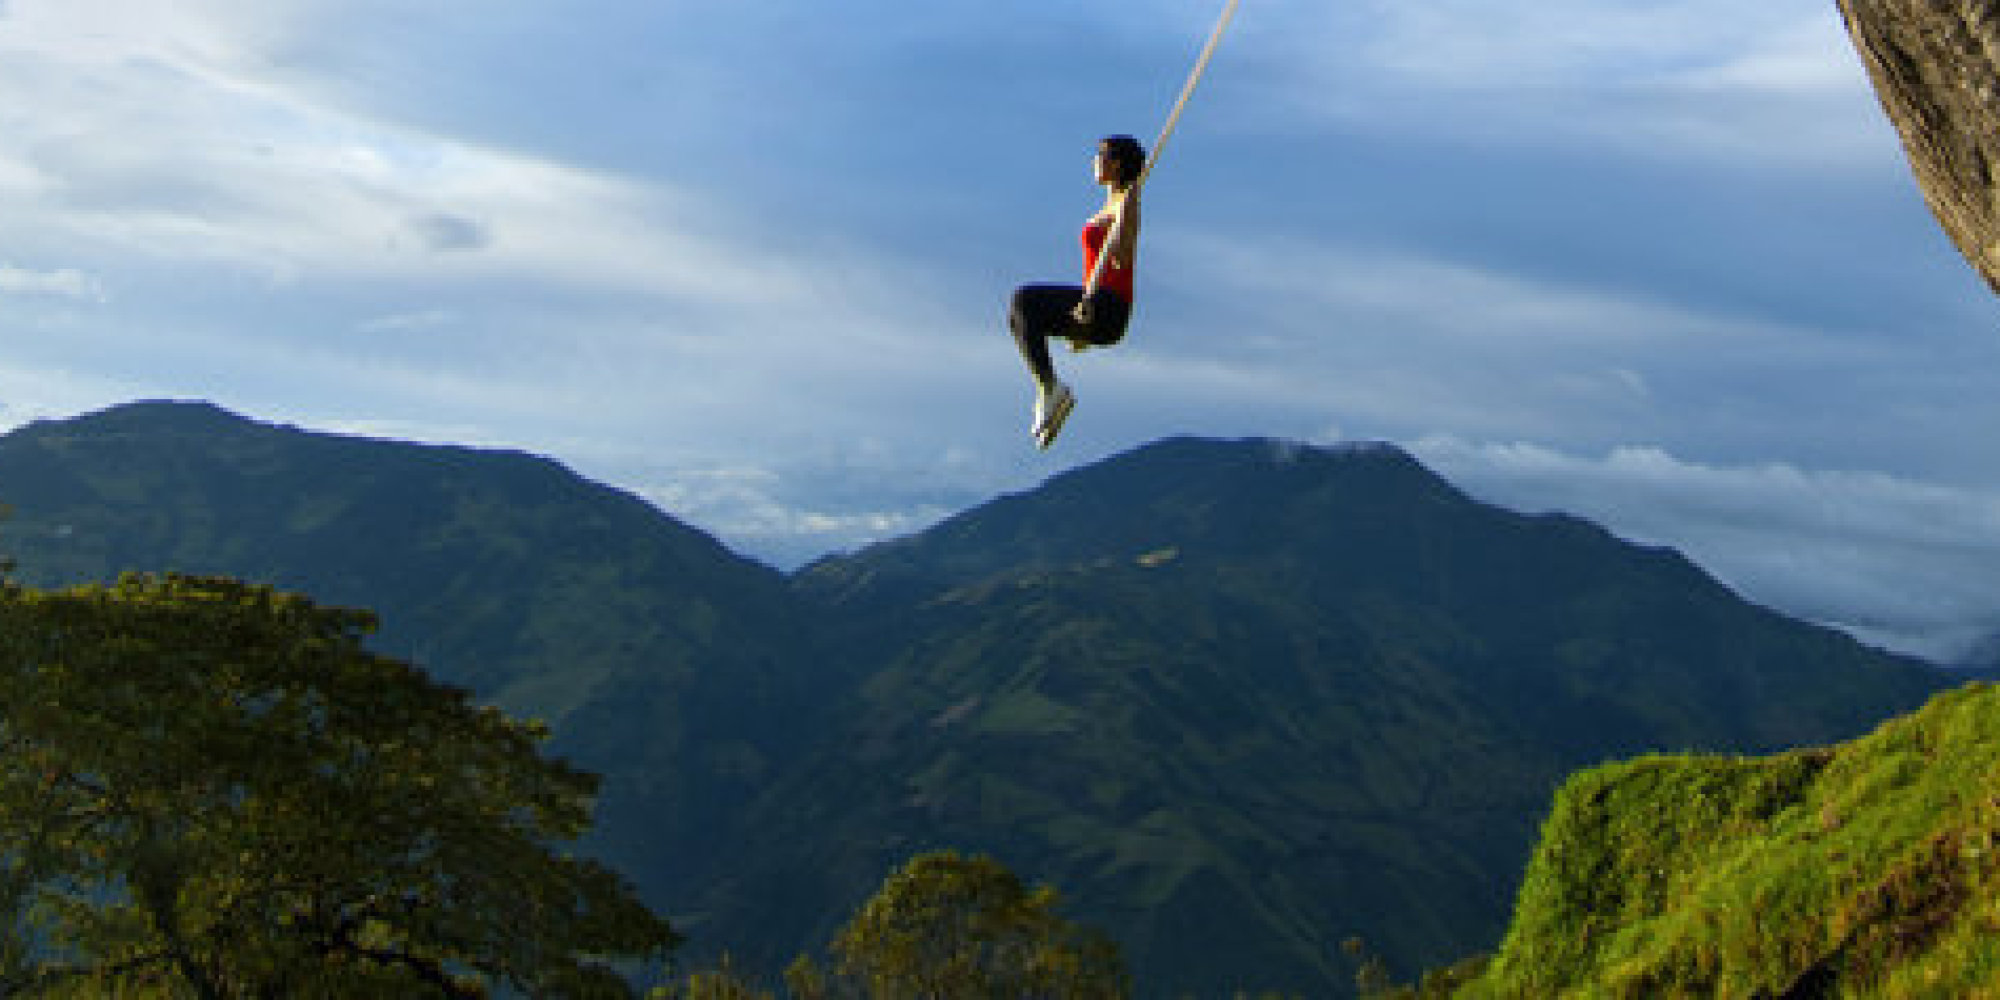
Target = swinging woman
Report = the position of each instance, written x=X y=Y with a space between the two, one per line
x=1095 y=313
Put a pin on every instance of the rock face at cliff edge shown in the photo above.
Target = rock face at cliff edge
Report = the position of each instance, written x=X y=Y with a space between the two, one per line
x=1936 y=68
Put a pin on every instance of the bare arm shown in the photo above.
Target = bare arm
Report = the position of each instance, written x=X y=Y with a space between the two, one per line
x=1121 y=247
x=1124 y=238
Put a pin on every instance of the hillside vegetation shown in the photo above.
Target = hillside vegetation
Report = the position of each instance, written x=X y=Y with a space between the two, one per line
x=212 y=790
x=1245 y=700
x=1866 y=870
x=1242 y=700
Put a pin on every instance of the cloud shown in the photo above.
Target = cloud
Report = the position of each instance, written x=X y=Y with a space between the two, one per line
x=759 y=510
x=30 y=392
x=66 y=283
x=176 y=139
x=1410 y=343
x=1710 y=80
x=412 y=322
x=441 y=231
x=261 y=222
x=1910 y=564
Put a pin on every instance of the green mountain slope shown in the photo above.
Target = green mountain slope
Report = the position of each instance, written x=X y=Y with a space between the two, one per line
x=1871 y=869
x=1239 y=700
x=1242 y=700
x=662 y=659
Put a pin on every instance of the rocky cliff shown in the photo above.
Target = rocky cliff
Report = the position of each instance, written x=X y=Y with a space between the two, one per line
x=1936 y=67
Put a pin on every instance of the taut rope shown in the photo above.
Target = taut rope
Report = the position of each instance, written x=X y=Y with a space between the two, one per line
x=1173 y=119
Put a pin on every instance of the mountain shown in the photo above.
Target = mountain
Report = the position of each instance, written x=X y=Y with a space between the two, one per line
x=1863 y=870
x=1933 y=65
x=1981 y=660
x=1246 y=699
x=662 y=660
x=1238 y=700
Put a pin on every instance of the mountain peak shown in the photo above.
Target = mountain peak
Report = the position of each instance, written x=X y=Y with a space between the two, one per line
x=1250 y=471
x=1191 y=494
x=151 y=416
x=1373 y=457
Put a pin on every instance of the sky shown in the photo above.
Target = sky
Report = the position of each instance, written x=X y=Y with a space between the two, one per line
x=1658 y=263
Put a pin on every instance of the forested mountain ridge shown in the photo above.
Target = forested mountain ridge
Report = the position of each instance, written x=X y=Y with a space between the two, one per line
x=1233 y=695
x=1240 y=700
x=554 y=597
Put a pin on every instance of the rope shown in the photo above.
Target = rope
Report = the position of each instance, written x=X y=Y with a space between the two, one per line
x=1166 y=132
x=1187 y=90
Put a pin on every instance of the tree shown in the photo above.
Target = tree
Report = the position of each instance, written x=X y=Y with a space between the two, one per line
x=721 y=983
x=211 y=789
x=7 y=566
x=948 y=926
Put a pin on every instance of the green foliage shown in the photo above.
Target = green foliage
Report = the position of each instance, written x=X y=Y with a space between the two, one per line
x=211 y=789
x=7 y=561
x=7 y=565
x=1869 y=870
x=721 y=983
x=1372 y=980
x=651 y=651
x=946 y=925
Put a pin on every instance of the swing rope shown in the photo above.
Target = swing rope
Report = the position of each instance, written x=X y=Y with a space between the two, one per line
x=1173 y=119
x=1187 y=90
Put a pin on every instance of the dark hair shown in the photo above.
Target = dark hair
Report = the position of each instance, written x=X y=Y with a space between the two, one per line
x=1126 y=156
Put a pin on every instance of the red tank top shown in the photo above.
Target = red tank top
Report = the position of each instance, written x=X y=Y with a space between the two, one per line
x=1115 y=278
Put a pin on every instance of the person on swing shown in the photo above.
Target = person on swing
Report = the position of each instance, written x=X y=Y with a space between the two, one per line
x=1095 y=313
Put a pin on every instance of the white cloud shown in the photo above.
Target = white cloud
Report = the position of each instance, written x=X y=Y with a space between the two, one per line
x=412 y=322
x=264 y=232
x=752 y=509
x=29 y=392
x=1409 y=343
x=1485 y=44
x=1718 y=80
x=1911 y=564
x=169 y=135
x=66 y=283
x=1404 y=294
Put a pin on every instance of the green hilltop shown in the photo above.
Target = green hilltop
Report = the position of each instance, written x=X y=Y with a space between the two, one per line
x=1866 y=870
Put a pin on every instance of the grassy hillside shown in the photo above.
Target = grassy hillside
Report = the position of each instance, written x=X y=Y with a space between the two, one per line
x=1866 y=870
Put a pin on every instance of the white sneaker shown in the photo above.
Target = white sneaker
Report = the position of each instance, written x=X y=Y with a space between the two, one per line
x=1051 y=409
x=1044 y=395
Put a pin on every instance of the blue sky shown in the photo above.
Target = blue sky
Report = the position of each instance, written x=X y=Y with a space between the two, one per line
x=1657 y=263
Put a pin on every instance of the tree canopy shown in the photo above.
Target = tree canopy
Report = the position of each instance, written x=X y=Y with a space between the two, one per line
x=948 y=925
x=213 y=789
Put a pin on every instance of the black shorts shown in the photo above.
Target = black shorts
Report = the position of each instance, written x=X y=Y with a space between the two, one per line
x=1045 y=311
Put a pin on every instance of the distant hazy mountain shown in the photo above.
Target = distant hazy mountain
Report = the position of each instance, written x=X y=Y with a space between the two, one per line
x=1238 y=700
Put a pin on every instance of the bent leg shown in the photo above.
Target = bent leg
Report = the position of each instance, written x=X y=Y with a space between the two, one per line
x=1109 y=315
x=1037 y=313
